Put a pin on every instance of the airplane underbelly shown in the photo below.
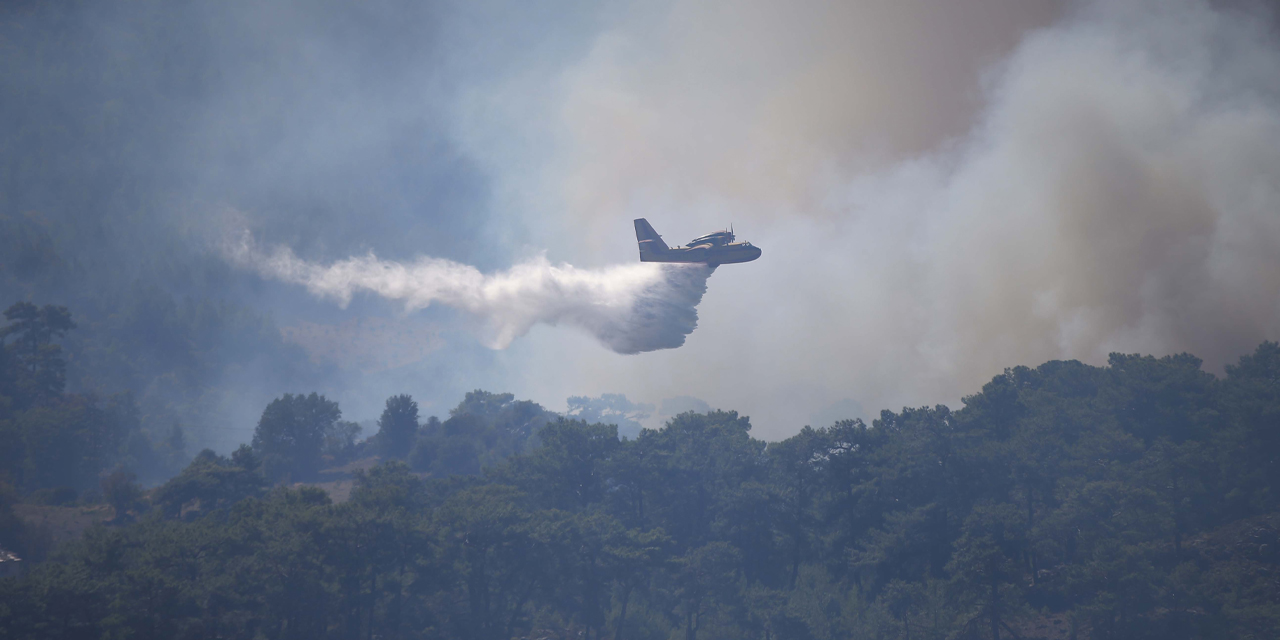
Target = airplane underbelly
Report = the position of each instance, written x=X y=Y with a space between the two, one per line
x=705 y=256
x=732 y=257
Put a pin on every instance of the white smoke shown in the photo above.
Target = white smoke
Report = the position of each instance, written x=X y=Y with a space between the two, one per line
x=629 y=308
x=1109 y=180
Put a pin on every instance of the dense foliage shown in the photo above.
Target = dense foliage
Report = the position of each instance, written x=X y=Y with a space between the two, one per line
x=481 y=431
x=1136 y=500
x=291 y=435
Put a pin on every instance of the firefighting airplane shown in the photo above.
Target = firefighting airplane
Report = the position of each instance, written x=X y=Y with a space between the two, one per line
x=713 y=249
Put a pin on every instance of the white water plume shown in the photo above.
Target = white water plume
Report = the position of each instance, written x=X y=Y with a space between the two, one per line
x=629 y=308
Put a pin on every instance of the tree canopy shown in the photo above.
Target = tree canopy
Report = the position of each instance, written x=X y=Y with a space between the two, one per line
x=398 y=426
x=1133 y=500
x=291 y=433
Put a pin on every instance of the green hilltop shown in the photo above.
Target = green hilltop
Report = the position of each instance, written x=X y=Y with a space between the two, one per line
x=1135 y=500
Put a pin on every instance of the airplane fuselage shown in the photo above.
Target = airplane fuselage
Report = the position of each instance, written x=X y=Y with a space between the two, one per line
x=712 y=249
x=710 y=254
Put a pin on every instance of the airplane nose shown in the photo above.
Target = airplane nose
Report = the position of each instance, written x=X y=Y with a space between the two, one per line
x=757 y=253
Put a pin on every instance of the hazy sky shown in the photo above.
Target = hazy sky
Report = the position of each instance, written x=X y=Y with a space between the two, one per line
x=941 y=189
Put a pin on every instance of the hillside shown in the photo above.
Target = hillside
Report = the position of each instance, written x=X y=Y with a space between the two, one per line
x=1135 y=500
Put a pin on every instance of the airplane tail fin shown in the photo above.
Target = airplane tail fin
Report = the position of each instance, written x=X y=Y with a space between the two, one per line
x=651 y=244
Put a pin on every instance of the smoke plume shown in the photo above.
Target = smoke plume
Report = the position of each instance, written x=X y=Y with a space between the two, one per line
x=942 y=189
x=630 y=309
x=936 y=202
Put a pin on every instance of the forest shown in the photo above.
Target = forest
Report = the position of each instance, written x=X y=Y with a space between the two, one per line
x=1133 y=500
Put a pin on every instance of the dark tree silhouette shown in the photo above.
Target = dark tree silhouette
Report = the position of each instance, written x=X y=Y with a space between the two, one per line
x=290 y=435
x=40 y=367
x=398 y=426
